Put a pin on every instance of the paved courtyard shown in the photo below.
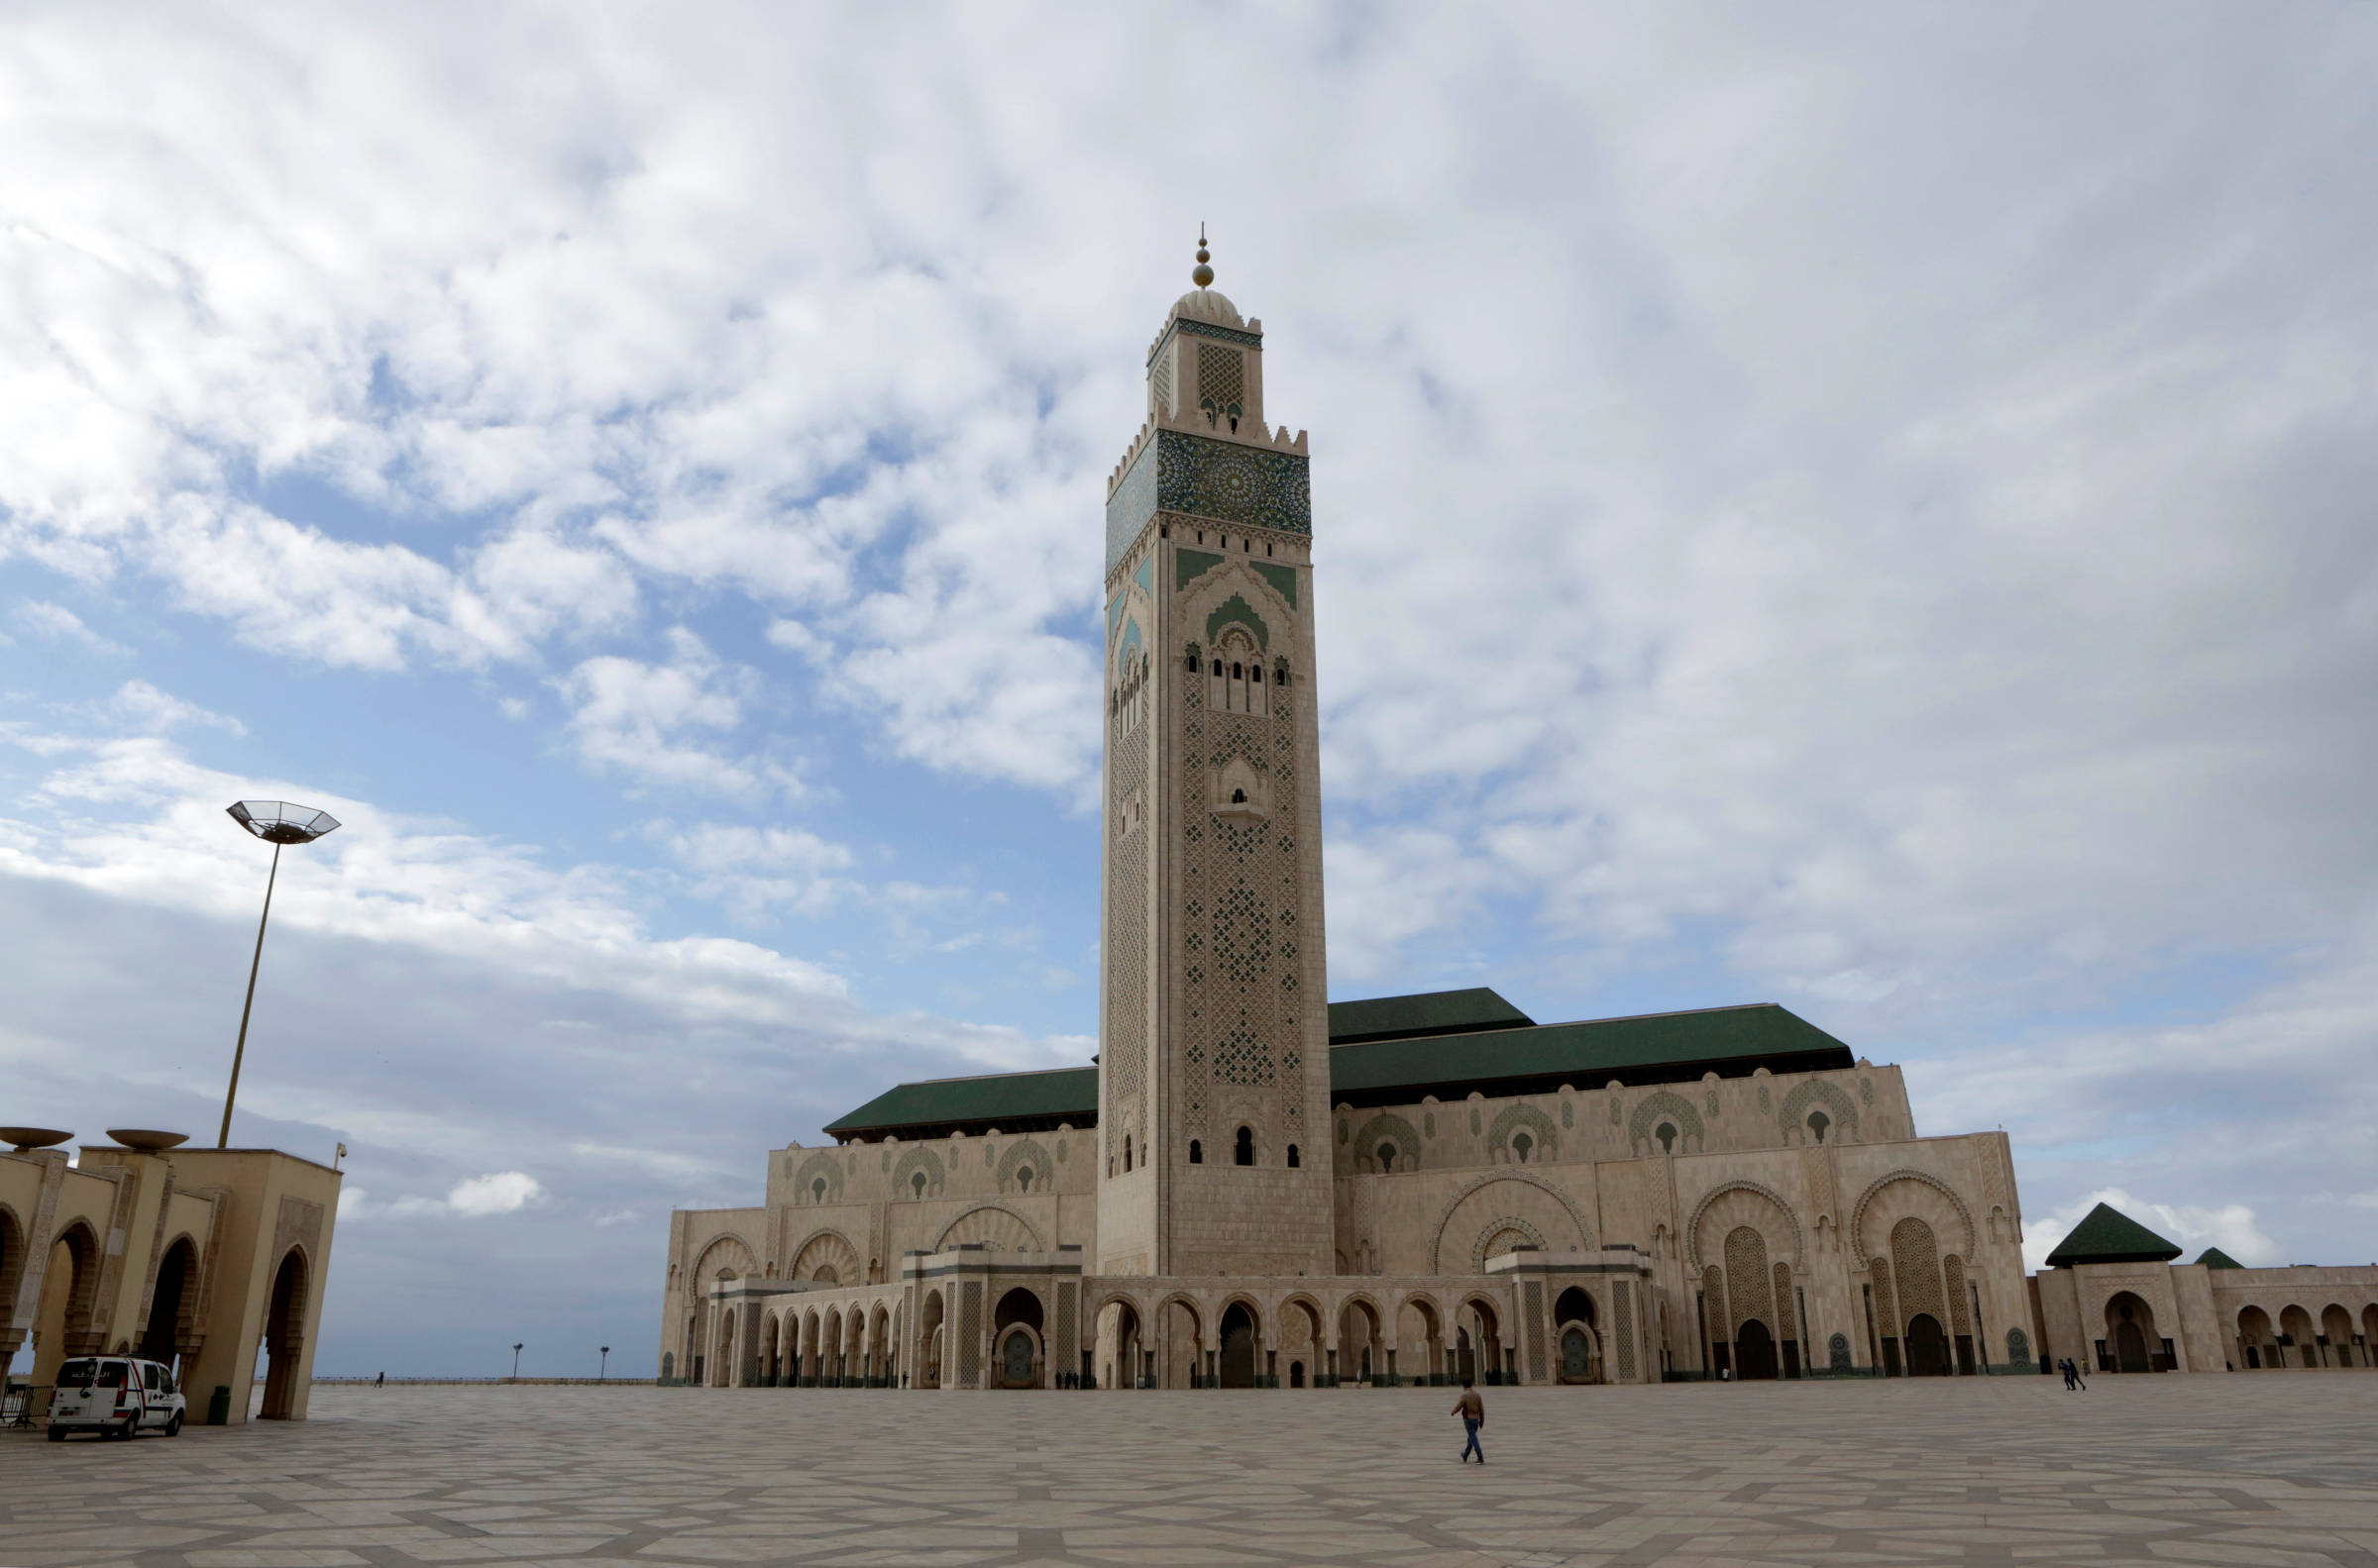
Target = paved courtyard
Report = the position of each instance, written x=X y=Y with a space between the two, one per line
x=2278 y=1469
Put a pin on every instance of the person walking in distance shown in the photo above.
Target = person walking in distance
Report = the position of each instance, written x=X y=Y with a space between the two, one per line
x=1473 y=1411
x=2071 y=1382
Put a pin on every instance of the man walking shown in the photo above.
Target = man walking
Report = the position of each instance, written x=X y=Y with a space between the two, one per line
x=1473 y=1411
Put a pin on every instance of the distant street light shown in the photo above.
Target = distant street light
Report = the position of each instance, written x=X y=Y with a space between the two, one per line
x=515 y=1361
x=606 y=1370
x=277 y=823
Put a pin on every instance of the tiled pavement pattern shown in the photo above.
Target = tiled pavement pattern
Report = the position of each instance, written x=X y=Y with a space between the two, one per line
x=2272 y=1469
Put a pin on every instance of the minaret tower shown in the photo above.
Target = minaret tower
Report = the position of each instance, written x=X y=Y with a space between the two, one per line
x=1214 y=1027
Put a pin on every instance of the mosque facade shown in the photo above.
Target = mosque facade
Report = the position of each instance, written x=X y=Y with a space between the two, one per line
x=1253 y=1187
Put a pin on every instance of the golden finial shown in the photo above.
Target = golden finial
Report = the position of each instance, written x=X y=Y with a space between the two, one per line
x=1202 y=275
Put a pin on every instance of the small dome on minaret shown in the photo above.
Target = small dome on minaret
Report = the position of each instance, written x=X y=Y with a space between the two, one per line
x=1202 y=301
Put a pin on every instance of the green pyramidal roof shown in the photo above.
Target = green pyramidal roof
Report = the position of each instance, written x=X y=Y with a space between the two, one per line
x=2215 y=1258
x=2107 y=1235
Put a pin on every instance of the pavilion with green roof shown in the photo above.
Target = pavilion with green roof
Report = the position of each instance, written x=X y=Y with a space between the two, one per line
x=2107 y=1235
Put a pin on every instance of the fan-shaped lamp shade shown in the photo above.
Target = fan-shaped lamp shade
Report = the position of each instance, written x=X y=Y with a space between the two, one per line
x=281 y=821
x=32 y=1137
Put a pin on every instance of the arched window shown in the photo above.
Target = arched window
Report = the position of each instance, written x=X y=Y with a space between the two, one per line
x=1256 y=674
x=817 y=1190
x=1293 y=1160
x=917 y=1183
x=1237 y=796
x=1218 y=666
x=1197 y=1152
x=1387 y=1157
x=1245 y=1153
x=1238 y=672
x=1819 y=1121
x=1023 y=1178
x=1126 y=1151
x=1668 y=1137
x=1521 y=1143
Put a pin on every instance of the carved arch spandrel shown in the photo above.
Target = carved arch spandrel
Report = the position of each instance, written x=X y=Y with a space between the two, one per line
x=826 y=1248
x=997 y=1225
x=1666 y=1106
x=1391 y=1128
x=1964 y=1216
x=1699 y=1257
x=1026 y=1153
x=727 y=1250
x=1584 y=1231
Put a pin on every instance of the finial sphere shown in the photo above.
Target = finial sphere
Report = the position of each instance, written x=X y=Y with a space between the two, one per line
x=1202 y=275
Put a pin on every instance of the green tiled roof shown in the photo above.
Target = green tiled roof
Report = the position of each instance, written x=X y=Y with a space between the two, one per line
x=1429 y=1013
x=1395 y=1049
x=1013 y=1100
x=2215 y=1258
x=2107 y=1235
x=1664 y=1047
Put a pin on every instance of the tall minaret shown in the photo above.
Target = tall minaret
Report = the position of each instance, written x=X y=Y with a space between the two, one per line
x=1214 y=1028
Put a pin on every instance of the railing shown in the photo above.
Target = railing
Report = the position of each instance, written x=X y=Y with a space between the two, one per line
x=17 y=1403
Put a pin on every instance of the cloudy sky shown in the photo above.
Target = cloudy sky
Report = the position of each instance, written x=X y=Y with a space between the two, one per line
x=1869 y=511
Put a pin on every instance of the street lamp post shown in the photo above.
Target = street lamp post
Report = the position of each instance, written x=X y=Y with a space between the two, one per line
x=604 y=1371
x=516 y=1363
x=277 y=823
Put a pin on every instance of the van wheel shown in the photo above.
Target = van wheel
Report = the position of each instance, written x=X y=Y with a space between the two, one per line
x=58 y=1435
x=174 y=1424
x=130 y=1429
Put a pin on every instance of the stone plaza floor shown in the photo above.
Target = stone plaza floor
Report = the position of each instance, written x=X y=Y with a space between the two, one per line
x=2246 y=1469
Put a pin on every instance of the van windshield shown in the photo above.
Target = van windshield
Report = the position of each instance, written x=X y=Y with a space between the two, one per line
x=103 y=1374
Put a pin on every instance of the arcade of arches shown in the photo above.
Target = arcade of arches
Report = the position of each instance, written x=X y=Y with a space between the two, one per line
x=198 y=1258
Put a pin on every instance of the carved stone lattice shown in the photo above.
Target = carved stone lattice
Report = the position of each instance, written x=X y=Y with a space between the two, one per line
x=1534 y=1298
x=970 y=1335
x=1127 y=953
x=1915 y=1261
x=1960 y=1320
x=1221 y=380
x=1624 y=1320
x=1786 y=1323
x=1748 y=1286
x=1239 y=903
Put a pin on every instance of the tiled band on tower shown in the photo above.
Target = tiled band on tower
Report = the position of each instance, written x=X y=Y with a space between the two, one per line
x=1253 y=1188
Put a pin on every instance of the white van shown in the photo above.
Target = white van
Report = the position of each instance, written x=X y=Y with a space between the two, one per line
x=118 y=1395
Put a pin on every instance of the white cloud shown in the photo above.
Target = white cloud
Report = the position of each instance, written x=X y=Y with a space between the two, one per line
x=756 y=869
x=138 y=703
x=634 y=717
x=55 y=623
x=475 y=1198
x=138 y=818
x=500 y=1193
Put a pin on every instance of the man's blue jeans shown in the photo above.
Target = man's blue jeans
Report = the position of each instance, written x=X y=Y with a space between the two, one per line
x=1471 y=1427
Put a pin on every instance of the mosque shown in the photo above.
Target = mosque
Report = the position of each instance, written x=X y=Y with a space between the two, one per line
x=1254 y=1186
